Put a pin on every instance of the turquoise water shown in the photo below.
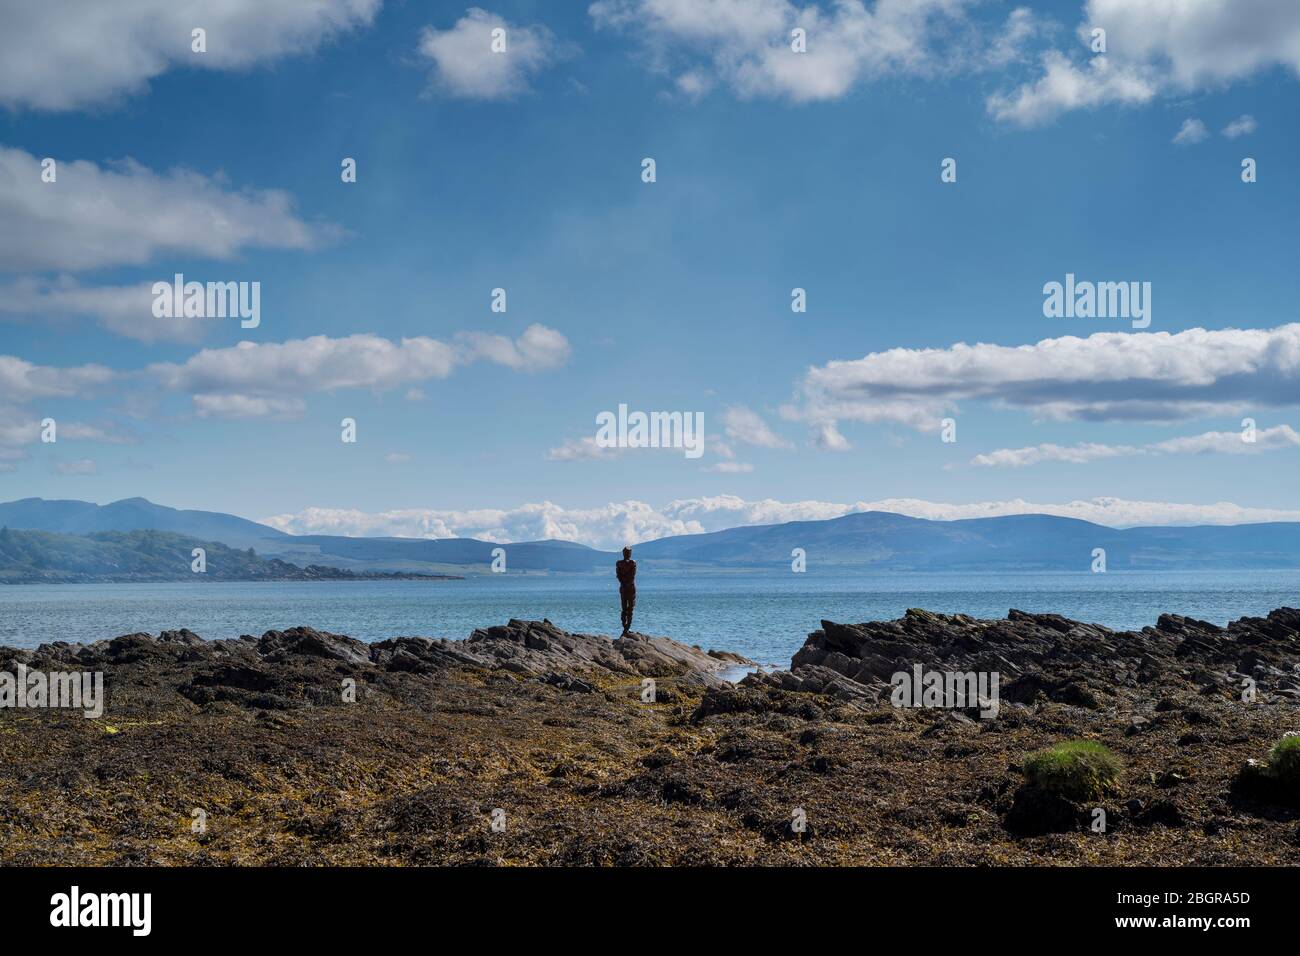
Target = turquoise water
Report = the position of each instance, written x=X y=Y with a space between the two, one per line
x=761 y=615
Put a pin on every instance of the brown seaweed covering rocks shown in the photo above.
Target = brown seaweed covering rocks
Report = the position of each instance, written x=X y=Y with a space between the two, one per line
x=256 y=738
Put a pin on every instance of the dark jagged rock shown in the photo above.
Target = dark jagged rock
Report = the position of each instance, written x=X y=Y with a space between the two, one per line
x=301 y=665
x=536 y=647
x=1049 y=657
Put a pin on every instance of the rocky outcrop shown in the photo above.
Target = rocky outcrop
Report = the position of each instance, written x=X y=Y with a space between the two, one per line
x=303 y=666
x=1049 y=657
x=532 y=647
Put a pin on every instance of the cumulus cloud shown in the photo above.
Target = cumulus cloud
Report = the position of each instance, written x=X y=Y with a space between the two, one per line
x=22 y=381
x=745 y=425
x=746 y=44
x=1009 y=46
x=610 y=526
x=1156 y=47
x=828 y=438
x=630 y=522
x=124 y=310
x=18 y=427
x=730 y=467
x=1223 y=443
x=465 y=65
x=1065 y=86
x=538 y=348
x=1202 y=44
x=1242 y=126
x=125 y=214
x=1108 y=376
x=1192 y=131
x=256 y=380
x=66 y=54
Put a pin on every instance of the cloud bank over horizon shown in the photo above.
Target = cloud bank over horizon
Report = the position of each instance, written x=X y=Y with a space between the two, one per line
x=616 y=524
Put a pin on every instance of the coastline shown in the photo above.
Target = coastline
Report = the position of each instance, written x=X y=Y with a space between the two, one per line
x=552 y=729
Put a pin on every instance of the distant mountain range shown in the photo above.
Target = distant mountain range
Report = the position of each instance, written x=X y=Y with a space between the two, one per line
x=133 y=514
x=870 y=540
x=46 y=557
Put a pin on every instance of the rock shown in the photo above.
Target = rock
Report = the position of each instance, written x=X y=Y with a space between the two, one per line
x=568 y=682
x=1254 y=781
x=1162 y=811
x=1035 y=812
x=1047 y=657
x=541 y=647
x=183 y=636
x=1136 y=726
x=1170 y=778
x=307 y=642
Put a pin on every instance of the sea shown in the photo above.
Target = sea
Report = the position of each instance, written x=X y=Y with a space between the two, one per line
x=765 y=616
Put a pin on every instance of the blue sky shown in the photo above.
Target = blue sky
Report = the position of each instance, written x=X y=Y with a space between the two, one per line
x=523 y=171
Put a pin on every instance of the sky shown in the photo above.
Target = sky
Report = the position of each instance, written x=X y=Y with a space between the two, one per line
x=925 y=374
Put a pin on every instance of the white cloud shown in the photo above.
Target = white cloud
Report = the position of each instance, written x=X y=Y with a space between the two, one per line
x=18 y=427
x=248 y=406
x=693 y=84
x=746 y=44
x=1064 y=86
x=538 y=348
x=465 y=65
x=828 y=438
x=610 y=526
x=746 y=425
x=65 y=54
x=730 y=467
x=1192 y=131
x=1229 y=443
x=582 y=449
x=1157 y=47
x=21 y=381
x=630 y=522
x=1075 y=454
x=1009 y=46
x=125 y=310
x=1108 y=376
x=253 y=380
x=397 y=458
x=1224 y=443
x=126 y=214
x=1243 y=125
x=1204 y=43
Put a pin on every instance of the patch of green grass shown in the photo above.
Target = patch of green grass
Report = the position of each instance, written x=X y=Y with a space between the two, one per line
x=1076 y=769
x=1284 y=762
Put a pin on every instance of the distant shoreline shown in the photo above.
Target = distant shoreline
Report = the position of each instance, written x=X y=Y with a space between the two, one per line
x=335 y=575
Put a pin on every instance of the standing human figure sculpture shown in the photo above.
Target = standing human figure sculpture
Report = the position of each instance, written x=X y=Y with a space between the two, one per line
x=625 y=571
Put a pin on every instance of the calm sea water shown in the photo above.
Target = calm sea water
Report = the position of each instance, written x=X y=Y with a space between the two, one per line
x=763 y=616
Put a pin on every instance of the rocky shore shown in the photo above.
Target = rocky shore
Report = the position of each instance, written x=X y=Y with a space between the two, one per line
x=525 y=744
